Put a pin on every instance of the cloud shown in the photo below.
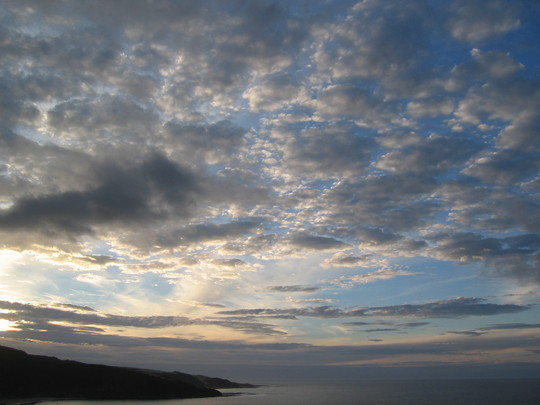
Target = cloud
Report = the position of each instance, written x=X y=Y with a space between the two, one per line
x=405 y=325
x=77 y=119
x=382 y=274
x=312 y=242
x=491 y=65
x=275 y=93
x=293 y=288
x=514 y=101
x=173 y=159
x=352 y=48
x=376 y=236
x=47 y=173
x=467 y=333
x=213 y=142
x=346 y=101
x=149 y=191
x=381 y=206
x=505 y=167
x=328 y=152
x=412 y=324
x=512 y=326
x=229 y=262
x=44 y=319
x=520 y=133
x=435 y=155
x=514 y=256
x=207 y=232
x=202 y=304
x=31 y=313
x=310 y=300
x=341 y=260
x=482 y=20
x=430 y=108
x=496 y=327
x=454 y=308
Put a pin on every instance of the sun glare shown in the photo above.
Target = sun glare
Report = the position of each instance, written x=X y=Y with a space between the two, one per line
x=6 y=325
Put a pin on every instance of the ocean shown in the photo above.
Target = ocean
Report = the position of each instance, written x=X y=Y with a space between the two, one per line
x=366 y=392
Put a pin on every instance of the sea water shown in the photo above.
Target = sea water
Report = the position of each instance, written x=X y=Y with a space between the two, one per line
x=366 y=392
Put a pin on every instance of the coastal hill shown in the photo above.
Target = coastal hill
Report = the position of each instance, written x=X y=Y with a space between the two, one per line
x=29 y=376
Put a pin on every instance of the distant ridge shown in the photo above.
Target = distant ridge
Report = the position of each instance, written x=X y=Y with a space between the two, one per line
x=29 y=376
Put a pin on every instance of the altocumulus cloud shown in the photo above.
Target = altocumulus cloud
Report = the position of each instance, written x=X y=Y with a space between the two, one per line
x=171 y=171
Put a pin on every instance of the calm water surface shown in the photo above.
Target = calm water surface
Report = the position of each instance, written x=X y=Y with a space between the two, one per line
x=417 y=392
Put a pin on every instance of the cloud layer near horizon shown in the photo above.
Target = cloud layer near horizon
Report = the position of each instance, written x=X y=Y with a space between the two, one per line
x=236 y=168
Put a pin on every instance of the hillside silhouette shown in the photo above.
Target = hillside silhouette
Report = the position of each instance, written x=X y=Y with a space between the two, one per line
x=30 y=376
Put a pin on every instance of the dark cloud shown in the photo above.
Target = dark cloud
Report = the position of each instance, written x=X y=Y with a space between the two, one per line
x=482 y=20
x=412 y=324
x=514 y=101
x=467 y=333
x=33 y=168
x=329 y=152
x=79 y=307
x=152 y=190
x=44 y=314
x=357 y=323
x=346 y=101
x=520 y=134
x=456 y=308
x=14 y=111
x=380 y=330
x=401 y=325
x=376 y=236
x=293 y=288
x=87 y=117
x=99 y=259
x=494 y=65
x=515 y=256
x=505 y=167
x=213 y=141
x=505 y=326
x=252 y=245
x=502 y=326
x=207 y=232
x=383 y=205
x=312 y=242
x=436 y=154
x=352 y=49
x=229 y=262
x=41 y=320
x=490 y=210
x=348 y=261
x=275 y=93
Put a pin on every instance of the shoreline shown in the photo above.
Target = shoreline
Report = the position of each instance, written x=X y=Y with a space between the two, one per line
x=38 y=400
x=31 y=400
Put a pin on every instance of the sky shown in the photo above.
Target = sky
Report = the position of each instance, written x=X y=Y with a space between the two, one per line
x=272 y=188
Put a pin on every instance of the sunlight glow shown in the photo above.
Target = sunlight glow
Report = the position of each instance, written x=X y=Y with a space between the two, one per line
x=6 y=325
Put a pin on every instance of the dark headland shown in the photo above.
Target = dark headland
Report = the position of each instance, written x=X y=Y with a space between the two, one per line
x=29 y=376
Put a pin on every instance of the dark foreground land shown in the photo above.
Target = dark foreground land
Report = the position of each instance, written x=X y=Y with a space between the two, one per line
x=28 y=376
